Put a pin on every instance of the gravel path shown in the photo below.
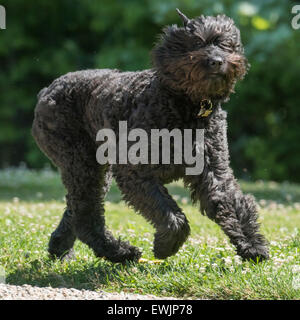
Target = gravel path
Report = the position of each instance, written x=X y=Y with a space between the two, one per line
x=27 y=292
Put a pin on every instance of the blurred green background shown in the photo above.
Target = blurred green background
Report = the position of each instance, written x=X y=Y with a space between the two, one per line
x=47 y=38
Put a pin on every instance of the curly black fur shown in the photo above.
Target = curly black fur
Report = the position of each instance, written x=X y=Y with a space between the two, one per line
x=202 y=60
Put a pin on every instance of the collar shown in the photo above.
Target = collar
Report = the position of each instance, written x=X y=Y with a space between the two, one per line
x=206 y=108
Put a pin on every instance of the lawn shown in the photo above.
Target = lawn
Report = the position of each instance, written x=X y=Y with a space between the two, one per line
x=206 y=267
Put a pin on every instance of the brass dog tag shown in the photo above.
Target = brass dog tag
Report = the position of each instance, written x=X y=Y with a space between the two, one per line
x=205 y=108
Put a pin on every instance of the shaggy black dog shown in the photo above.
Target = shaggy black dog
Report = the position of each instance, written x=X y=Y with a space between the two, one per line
x=195 y=68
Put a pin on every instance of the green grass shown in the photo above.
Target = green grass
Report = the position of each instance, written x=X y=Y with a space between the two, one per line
x=31 y=204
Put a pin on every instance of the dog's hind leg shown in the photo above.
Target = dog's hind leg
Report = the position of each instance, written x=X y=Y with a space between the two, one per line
x=150 y=198
x=85 y=198
x=74 y=152
x=63 y=238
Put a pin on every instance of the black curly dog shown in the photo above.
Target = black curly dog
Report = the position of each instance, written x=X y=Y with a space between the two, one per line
x=193 y=66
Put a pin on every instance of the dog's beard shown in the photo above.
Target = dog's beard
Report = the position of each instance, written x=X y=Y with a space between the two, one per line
x=188 y=74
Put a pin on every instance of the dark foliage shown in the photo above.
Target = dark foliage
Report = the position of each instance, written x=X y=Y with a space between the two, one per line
x=45 y=39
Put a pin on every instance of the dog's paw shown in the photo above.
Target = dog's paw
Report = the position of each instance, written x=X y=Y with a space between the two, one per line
x=61 y=245
x=123 y=253
x=256 y=254
x=168 y=242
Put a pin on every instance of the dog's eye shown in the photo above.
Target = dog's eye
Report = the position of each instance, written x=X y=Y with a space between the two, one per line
x=237 y=47
x=199 y=44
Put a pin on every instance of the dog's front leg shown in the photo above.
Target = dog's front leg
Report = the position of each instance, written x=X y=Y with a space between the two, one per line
x=220 y=196
x=151 y=199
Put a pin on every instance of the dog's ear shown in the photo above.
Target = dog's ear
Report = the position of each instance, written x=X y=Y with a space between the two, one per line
x=187 y=23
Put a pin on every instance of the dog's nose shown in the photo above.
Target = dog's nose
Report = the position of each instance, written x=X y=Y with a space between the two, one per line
x=215 y=62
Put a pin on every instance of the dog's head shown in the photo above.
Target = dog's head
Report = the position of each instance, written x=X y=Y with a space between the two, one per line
x=204 y=58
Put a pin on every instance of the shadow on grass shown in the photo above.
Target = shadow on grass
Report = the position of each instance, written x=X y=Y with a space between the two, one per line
x=91 y=277
x=98 y=274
